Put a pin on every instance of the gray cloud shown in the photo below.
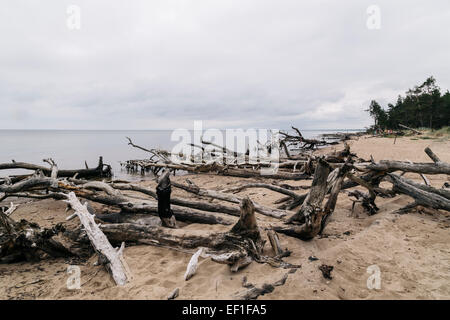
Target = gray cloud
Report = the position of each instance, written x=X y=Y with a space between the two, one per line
x=252 y=63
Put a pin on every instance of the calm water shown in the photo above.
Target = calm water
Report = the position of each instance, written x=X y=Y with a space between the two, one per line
x=71 y=148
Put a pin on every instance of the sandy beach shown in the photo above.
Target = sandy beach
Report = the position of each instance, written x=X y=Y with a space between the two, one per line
x=411 y=250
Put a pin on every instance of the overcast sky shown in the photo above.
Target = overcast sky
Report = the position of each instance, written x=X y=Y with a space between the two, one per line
x=162 y=64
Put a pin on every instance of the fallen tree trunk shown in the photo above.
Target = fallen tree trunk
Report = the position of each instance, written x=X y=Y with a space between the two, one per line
x=234 y=211
x=425 y=168
x=180 y=213
x=31 y=183
x=263 y=185
x=191 y=187
x=112 y=258
x=413 y=130
x=226 y=170
x=237 y=247
x=432 y=155
x=243 y=173
x=102 y=170
x=242 y=241
x=425 y=195
x=136 y=206
x=112 y=198
x=372 y=177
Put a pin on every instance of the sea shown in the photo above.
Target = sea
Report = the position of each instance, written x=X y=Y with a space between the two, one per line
x=70 y=149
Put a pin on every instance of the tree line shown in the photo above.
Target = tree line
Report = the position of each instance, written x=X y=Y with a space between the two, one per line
x=423 y=106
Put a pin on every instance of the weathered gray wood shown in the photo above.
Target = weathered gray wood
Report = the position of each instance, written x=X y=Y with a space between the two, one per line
x=425 y=168
x=311 y=216
x=272 y=212
x=423 y=195
x=275 y=242
x=216 y=207
x=101 y=170
x=242 y=240
x=263 y=185
x=113 y=258
x=432 y=155
x=316 y=194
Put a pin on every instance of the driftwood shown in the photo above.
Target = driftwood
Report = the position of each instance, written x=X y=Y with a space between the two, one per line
x=312 y=216
x=316 y=194
x=252 y=292
x=263 y=185
x=237 y=248
x=111 y=197
x=191 y=187
x=276 y=246
x=234 y=211
x=413 y=130
x=134 y=218
x=102 y=170
x=242 y=241
x=174 y=294
x=367 y=202
x=192 y=265
x=9 y=211
x=227 y=170
x=300 y=141
x=24 y=240
x=424 y=168
x=111 y=257
x=432 y=155
x=422 y=195
x=222 y=161
x=163 y=190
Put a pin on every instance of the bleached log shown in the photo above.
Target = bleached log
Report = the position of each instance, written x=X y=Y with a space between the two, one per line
x=113 y=258
x=11 y=209
x=272 y=212
x=192 y=265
